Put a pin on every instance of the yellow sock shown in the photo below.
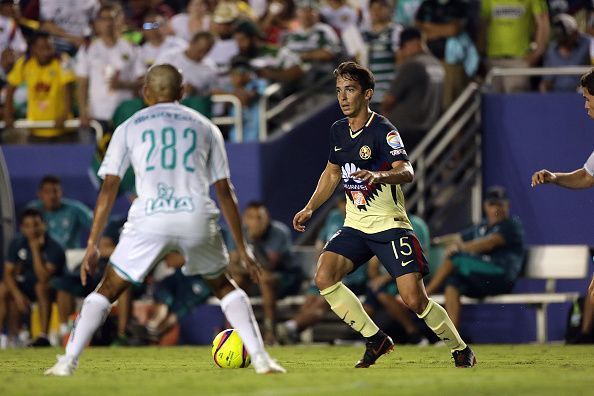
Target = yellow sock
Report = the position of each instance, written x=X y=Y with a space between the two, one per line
x=438 y=320
x=348 y=307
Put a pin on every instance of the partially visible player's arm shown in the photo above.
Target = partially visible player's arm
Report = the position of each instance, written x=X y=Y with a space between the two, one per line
x=105 y=200
x=329 y=179
x=578 y=179
x=402 y=172
x=228 y=204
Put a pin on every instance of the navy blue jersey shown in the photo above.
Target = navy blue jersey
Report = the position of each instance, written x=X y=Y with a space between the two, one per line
x=371 y=208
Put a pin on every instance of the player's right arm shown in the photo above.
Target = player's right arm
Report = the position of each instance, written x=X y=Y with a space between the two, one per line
x=105 y=200
x=228 y=204
x=578 y=179
x=329 y=179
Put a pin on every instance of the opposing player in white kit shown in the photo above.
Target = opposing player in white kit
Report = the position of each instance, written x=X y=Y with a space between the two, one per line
x=580 y=178
x=176 y=154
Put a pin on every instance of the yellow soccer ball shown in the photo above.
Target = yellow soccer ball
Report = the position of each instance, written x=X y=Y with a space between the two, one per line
x=228 y=350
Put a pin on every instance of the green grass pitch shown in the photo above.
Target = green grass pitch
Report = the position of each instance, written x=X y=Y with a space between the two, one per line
x=312 y=370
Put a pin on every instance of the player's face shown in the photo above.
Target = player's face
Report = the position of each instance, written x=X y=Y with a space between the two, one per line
x=351 y=97
x=496 y=211
x=50 y=196
x=589 y=105
x=32 y=227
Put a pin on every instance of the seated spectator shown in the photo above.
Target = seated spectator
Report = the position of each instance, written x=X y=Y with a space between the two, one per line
x=484 y=260
x=175 y=296
x=246 y=85
x=109 y=70
x=441 y=22
x=277 y=20
x=271 y=243
x=156 y=41
x=315 y=42
x=382 y=38
x=507 y=42
x=186 y=24
x=199 y=71
x=67 y=219
x=568 y=47
x=33 y=259
x=10 y=32
x=50 y=84
x=315 y=306
x=271 y=63
x=339 y=14
x=413 y=102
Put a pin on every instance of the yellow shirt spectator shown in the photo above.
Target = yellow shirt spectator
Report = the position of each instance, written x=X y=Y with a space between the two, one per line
x=47 y=90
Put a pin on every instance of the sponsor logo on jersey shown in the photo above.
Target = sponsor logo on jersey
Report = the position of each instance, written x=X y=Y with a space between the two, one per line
x=398 y=152
x=167 y=203
x=358 y=198
x=394 y=140
x=365 y=153
x=347 y=170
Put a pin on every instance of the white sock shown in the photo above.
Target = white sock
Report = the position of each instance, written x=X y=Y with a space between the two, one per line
x=93 y=313
x=236 y=307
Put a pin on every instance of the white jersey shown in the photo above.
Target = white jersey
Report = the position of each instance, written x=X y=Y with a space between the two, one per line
x=74 y=16
x=176 y=153
x=589 y=165
x=11 y=36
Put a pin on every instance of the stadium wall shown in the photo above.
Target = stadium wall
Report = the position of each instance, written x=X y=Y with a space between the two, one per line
x=524 y=133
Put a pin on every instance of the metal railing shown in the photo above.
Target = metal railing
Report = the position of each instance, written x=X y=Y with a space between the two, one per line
x=448 y=157
x=68 y=124
x=236 y=119
x=502 y=72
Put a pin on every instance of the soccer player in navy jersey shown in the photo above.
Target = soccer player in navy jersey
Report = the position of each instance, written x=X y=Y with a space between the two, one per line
x=367 y=153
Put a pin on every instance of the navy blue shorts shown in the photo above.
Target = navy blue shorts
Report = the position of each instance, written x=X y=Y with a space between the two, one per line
x=398 y=250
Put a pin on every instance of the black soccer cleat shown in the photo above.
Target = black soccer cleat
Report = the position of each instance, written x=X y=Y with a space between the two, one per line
x=464 y=358
x=376 y=346
x=40 y=342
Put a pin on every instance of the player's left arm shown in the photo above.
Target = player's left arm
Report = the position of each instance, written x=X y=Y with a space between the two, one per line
x=401 y=173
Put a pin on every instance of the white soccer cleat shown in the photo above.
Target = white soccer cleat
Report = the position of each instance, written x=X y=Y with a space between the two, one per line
x=64 y=367
x=264 y=364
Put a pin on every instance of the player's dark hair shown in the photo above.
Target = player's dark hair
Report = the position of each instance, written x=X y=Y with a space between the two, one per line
x=355 y=72
x=49 y=179
x=29 y=212
x=587 y=82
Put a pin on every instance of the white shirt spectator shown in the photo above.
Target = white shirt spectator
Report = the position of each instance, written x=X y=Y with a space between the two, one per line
x=99 y=63
x=180 y=25
x=11 y=35
x=222 y=52
x=340 y=18
x=150 y=53
x=202 y=76
x=74 y=16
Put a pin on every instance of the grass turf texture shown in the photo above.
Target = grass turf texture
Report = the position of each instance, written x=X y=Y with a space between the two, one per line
x=313 y=370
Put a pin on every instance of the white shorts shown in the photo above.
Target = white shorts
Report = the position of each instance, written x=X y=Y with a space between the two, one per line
x=137 y=253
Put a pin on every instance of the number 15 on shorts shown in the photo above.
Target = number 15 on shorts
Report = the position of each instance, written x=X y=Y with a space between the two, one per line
x=402 y=250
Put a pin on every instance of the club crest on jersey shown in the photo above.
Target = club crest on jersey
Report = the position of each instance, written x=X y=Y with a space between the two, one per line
x=365 y=153
x=394 y=140
x=358 y=198
x=167 y=203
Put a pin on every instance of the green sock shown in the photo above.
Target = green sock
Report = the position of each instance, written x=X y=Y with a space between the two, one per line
x=348 y=307
x=438 y=320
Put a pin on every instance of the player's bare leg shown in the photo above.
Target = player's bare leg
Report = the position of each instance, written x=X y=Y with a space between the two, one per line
x=238 y=311
x=413 y=294
x=331 y=269
x=93 y=313
x=452 y=304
